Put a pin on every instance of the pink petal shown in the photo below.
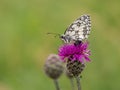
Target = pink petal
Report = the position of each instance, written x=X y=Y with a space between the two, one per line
x=87 y=58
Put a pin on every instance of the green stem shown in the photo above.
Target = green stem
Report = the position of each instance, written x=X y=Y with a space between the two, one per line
x=78 y=82
x=72 y=83
x=56 y=84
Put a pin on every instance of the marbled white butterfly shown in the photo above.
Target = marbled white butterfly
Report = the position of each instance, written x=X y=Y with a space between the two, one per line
x=78 y=30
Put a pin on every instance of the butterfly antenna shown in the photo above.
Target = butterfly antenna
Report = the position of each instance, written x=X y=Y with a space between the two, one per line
x=56 y=34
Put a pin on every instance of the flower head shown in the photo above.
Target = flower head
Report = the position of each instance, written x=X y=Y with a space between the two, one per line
x=73 y=52
x=53 y=66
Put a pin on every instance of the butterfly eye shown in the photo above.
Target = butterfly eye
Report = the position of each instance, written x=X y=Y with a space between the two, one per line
x=62 y=36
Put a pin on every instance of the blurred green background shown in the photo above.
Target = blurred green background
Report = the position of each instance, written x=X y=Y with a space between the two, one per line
x=24 y=45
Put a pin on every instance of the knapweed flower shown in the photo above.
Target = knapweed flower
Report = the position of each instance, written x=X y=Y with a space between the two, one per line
x=75 y=52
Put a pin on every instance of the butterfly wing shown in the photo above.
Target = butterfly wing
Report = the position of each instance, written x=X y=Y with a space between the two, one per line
x=79 y=29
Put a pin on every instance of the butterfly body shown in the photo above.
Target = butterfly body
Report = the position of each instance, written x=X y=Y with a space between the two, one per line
x=78 y=31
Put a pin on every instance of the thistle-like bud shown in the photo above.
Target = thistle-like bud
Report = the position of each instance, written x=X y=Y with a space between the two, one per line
x=53 y=66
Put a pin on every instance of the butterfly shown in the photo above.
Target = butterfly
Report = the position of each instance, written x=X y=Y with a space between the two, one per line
x=78 y=31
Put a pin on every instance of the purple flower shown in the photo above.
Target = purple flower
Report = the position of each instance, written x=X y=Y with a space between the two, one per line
x=79 y=52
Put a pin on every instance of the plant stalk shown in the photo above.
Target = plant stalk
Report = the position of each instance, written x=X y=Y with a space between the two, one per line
x=78 y=82
x=56 y=84
x=72 y=83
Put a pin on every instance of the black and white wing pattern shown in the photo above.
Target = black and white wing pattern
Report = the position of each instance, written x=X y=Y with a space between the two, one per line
x=78 y=30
